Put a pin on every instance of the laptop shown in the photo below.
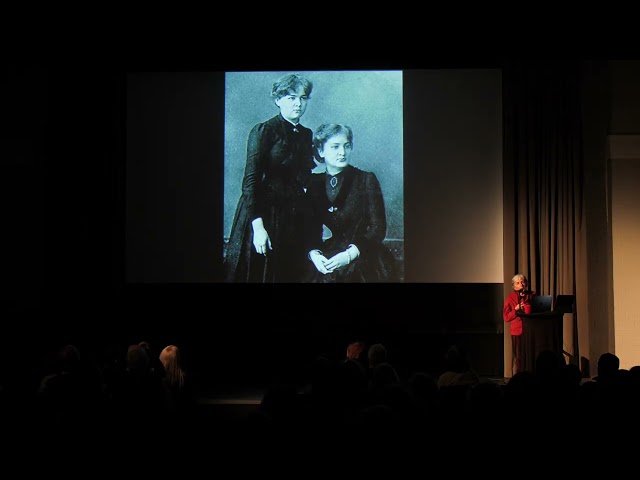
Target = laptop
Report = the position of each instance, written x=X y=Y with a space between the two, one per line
x=564 y=303
x=541 y=303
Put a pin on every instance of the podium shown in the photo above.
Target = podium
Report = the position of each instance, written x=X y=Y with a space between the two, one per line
x=540 y=331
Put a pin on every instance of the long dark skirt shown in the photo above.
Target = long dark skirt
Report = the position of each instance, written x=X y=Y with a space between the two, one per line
x=285 y=263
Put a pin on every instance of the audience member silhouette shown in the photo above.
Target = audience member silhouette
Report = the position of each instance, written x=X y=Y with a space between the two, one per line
x=485 y=401
x=376 y=354
x=385 y=386
x=610 y=392
x=521 y=390
x=138 y=395
x=608 y=367
x=457 y=370
x=571 y=382
x=178 y=390
x=155 y=364
x=174 y=375
x=72 y=393
x=455 y=381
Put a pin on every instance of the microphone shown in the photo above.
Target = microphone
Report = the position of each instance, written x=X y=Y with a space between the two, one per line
x=522 y=295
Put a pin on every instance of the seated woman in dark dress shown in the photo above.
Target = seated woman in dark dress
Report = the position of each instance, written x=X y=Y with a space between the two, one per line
x=349 y=222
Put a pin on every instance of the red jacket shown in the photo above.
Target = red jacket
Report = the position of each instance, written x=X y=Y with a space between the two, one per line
x=509 y=310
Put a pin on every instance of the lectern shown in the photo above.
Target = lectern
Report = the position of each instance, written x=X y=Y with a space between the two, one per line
x=540 y=331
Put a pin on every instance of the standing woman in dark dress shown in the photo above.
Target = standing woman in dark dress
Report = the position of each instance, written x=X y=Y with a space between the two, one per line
x=348 y=202
x=266 y=245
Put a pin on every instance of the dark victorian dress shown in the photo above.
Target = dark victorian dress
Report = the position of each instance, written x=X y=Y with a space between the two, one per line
x=352 y=208
x=279 y=164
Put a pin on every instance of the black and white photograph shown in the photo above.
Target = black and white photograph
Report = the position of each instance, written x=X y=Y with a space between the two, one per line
x=295 y=214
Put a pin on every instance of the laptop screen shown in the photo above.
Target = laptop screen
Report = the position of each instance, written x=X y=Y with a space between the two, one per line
x=564 y=303
x=541 y=303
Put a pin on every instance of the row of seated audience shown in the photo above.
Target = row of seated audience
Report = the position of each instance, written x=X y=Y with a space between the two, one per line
x=362 y=388
x=141 y=388
x=366 y=390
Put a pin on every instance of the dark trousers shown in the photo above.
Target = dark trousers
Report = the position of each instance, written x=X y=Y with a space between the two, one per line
x=516 y=349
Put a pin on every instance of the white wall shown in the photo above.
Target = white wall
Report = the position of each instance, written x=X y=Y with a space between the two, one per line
x=624 y=152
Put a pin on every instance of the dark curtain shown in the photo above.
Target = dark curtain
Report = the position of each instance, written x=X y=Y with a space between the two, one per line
x=542 y=182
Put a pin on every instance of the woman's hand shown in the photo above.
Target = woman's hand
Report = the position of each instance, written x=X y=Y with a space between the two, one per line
x=261 y=240
x=339 y=260
x=319 y=261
